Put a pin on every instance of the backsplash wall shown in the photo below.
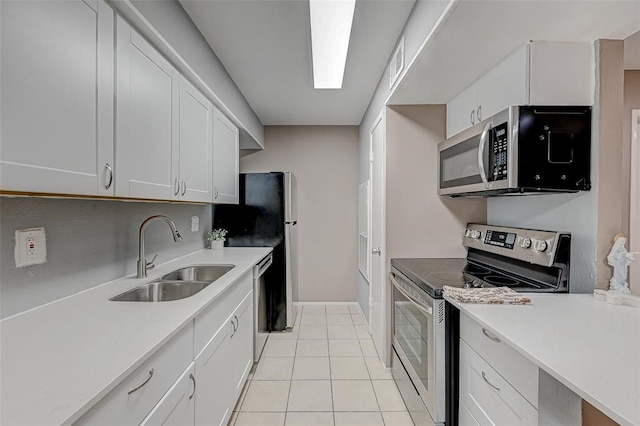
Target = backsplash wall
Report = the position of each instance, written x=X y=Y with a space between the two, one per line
x=89 y=242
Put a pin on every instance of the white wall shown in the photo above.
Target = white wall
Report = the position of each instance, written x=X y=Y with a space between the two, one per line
x=420 y=223
x=324 y=160
x=89 y=242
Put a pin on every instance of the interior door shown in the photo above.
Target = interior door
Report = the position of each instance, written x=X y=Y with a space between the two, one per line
x=377 y=284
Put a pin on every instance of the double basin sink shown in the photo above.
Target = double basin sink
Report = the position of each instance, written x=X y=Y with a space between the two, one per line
x=175 y=285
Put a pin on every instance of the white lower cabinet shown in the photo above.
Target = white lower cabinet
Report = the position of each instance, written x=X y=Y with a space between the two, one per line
x=176 y=408
x=466 y=418
x=242 y=343
x=214 y=379
x=131 y=401
x=174 y=388
x=497 y=385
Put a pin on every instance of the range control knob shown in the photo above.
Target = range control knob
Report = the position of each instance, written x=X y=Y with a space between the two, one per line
x=467 y=232
x=475 y=234
x=525 y=242
x=540 y=245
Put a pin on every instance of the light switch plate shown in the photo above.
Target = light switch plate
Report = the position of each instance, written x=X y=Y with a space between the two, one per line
x=31 y=247
x=195 y=223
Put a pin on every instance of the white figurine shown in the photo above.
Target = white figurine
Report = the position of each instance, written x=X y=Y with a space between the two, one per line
x=620 y=259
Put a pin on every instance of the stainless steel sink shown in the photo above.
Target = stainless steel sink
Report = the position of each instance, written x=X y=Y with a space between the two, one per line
x=176 y=285
x=161 y=291
x=207 y=273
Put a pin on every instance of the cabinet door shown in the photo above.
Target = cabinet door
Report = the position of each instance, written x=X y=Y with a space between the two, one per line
x=461 y=111
x=226 y=140
x=504 y=85
x=196 y=144
x=57 y=97
x=214 y=378
x=242 y=344
x=146 y=119
x=489 y=398
x=177 y=407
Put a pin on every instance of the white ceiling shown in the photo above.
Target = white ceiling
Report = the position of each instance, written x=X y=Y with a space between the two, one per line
x=476 y=35
x=265 y=45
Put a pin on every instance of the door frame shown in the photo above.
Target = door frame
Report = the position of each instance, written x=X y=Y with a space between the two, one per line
x=380 y=228
x=634 y=200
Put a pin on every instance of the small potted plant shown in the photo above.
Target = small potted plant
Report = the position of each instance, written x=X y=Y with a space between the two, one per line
x=216 y=238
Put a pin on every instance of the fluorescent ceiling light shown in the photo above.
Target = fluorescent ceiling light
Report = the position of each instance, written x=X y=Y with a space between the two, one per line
x=330 y=33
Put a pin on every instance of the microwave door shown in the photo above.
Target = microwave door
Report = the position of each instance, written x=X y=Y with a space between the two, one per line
x=463 y=161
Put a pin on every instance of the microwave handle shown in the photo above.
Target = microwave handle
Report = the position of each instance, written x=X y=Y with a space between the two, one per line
x=483 y=142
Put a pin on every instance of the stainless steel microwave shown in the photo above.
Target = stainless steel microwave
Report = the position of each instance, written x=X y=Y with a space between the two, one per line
x=521 y=150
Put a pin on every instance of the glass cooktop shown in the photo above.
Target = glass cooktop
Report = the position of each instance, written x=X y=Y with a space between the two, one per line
x=432 y=274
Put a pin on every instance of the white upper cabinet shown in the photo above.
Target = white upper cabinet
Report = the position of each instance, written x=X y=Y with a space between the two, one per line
x=226 y=138
x=196 y=115
x=57 y=97
x=539 y=73
x=146 y=119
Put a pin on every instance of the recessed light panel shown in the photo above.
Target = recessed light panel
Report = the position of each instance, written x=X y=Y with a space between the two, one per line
x=330 y=33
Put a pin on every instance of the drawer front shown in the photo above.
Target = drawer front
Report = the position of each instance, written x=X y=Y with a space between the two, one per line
x=521 y=373
x=214 y=316
x=488 y=396
x=124 y=407
x=465 y=416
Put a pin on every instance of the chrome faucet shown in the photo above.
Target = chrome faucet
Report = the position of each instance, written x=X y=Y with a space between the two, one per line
x=143 y=266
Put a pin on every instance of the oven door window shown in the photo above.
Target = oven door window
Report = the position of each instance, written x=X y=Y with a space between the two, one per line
x=413 y=330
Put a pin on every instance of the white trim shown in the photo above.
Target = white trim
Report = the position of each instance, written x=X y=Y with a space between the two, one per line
x=634 y=200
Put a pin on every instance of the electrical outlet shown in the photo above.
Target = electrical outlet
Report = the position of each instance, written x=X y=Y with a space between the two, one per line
x=31 y=247
x=195 y=223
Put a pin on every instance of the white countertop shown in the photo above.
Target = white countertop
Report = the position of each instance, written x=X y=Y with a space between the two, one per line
x=592 y=347
x=58 y=360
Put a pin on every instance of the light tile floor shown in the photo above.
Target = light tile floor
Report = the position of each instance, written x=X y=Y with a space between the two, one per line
x=325 y=372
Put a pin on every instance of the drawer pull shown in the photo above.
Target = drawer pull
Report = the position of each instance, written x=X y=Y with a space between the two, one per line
x=489 y=336
x=194 y=385
x=489 y=383
x=142 y=384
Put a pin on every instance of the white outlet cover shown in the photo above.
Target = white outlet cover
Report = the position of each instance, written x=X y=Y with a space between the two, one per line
x=30 y=247
x=195 y=223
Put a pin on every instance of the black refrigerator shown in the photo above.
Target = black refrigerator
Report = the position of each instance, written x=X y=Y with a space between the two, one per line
x=266 y=216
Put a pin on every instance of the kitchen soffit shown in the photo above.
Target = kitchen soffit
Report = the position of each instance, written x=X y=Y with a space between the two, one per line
x=476 y=35
x=266 y=48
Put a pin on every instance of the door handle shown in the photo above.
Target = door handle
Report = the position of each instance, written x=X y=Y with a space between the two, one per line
x=184 y=188
x=376 y=250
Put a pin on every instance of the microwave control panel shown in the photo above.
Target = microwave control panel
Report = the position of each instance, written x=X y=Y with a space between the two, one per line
x=499 y=155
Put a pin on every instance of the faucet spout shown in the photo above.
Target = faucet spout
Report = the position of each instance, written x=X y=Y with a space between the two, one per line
x=143 y=266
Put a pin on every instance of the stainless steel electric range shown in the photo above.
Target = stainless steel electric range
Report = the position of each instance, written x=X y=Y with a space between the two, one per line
x=425 y=328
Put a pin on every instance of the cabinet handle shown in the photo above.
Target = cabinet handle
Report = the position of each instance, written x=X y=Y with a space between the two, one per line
x=176 y=187
x=108 y=168
x=216 y=196
x=233 y=324
x=489 y=383
x=142 y=384
x=193 y=379
x=479 y=113
x=237 y=321
x=472 y=116
x=489 y=336
x=184 y=188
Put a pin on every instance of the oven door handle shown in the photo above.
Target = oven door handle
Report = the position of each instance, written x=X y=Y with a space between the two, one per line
x=483 y=142
x=427 y=310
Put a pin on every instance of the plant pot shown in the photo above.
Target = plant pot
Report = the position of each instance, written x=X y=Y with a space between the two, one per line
x=217 y=244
